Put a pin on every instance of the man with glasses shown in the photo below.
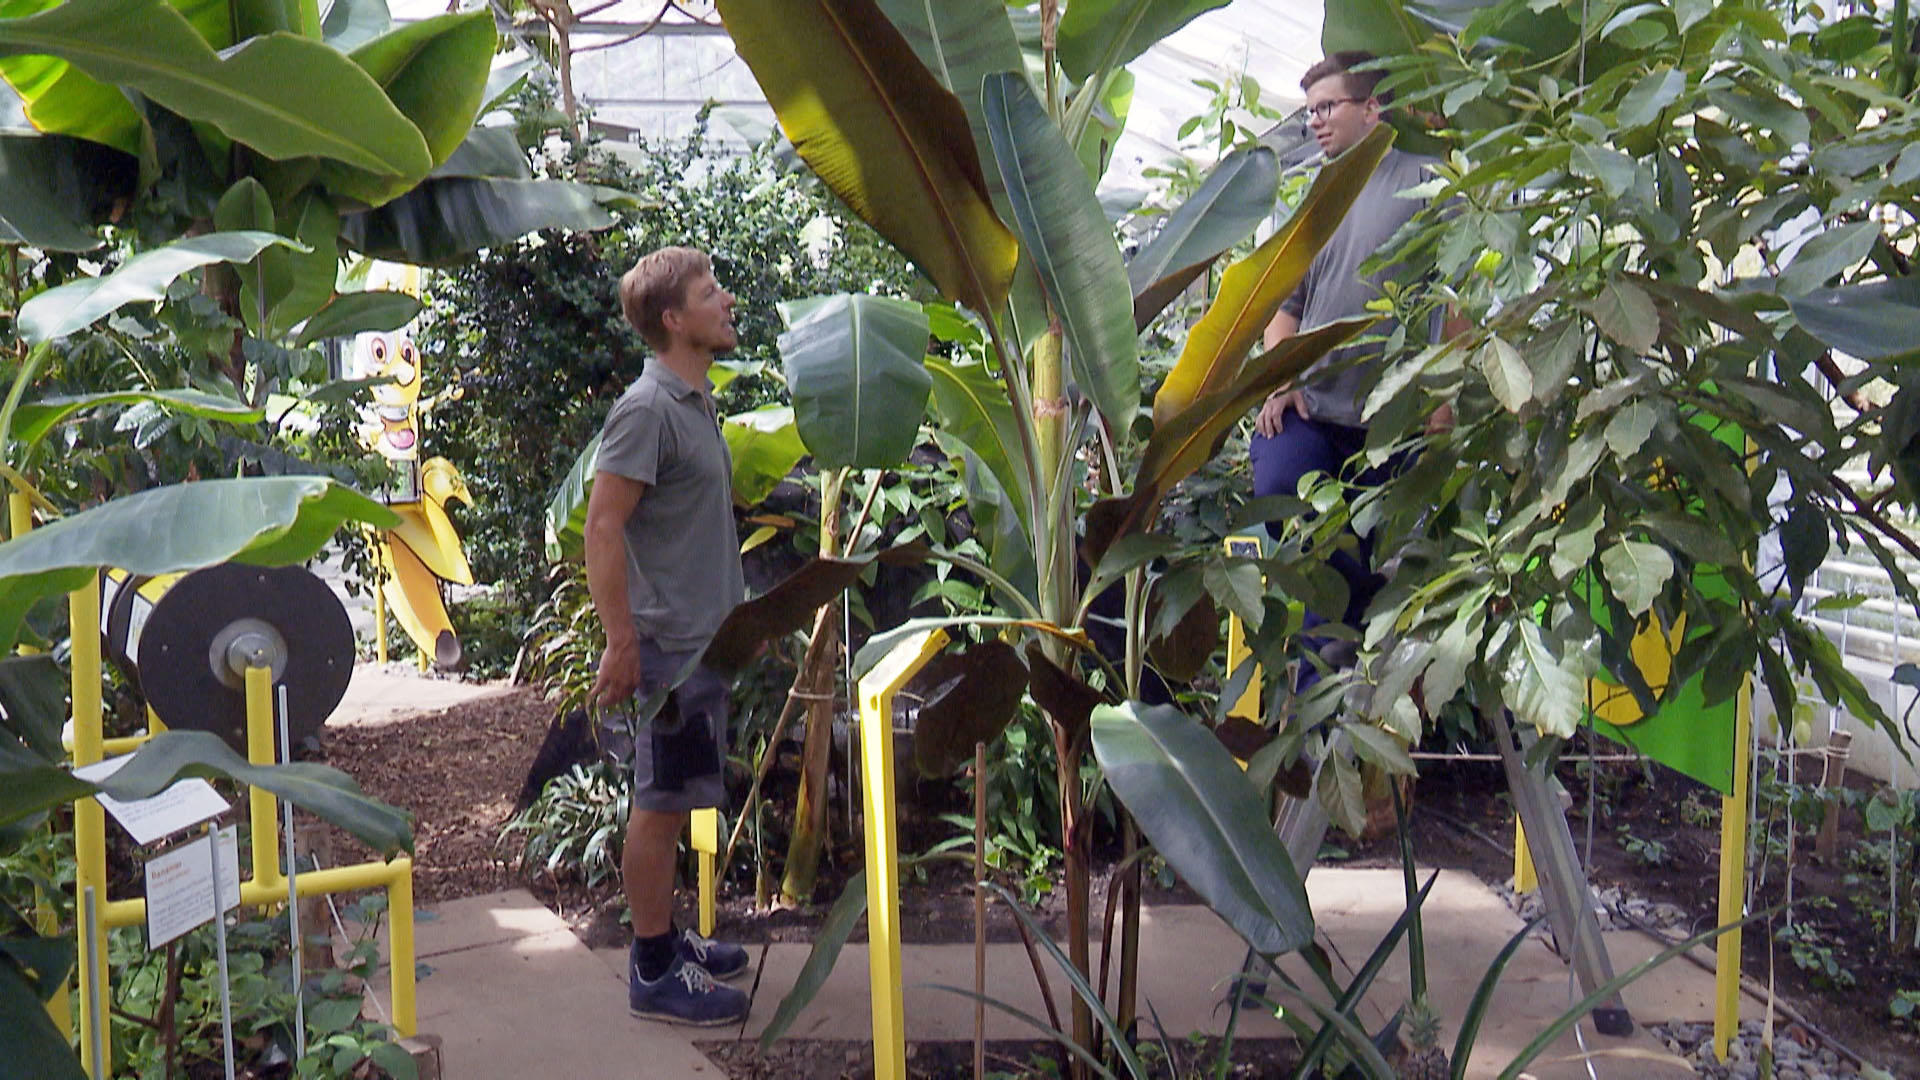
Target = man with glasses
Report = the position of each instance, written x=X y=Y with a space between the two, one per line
x=1314 y=424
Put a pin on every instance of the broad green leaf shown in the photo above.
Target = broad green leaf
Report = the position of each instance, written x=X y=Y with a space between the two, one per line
x=1625 y=314
x=60 y=99
x=1195 y=804
x=1456 y=647
x=33 y=419
x=1507 y=374
x=883 y=133
x=492 y=152
x=314 y=222
x=1575 y=544
x=1872 y=322
x=175 y=755
x=283 y=95
x=1655 y=91
x=265 y=520
x=1231 y=202
x=1099 y=35
x=443 y=221
x=766 y=445
x=1613 y=170
x=1379 y=748
x=29 y=1043
x=1239 y=588
x=1189 y=439
x=858 y=385
x=70 y=307
x=999 y=522
x=435 y=72
x=33 y=702
x=1252 y=289
x=350 y=24
x=354 y=313
x=1629 y=428
x=1636 y=572
x=1582 y=456
x=1540 y=687
x=567 y=511
x=246 y=207
x=1343 y=794
x=1833 y=252
x=828 y=942
x=1071 y=244
x=45 y=182
x=972 y=407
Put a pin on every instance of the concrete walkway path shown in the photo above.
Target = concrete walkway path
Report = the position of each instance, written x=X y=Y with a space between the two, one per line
x=513 y=993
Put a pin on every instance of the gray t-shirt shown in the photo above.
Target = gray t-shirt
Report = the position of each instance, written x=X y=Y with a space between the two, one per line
x=683 y=556
x=1334 y=288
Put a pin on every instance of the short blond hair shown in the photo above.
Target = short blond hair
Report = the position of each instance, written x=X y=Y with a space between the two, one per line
x=658 y=283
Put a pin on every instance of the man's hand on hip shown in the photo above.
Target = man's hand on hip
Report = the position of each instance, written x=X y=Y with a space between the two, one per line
x=619 y=674
x=1273 y=415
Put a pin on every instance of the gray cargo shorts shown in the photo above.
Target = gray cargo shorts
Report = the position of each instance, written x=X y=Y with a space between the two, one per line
x=686 y=781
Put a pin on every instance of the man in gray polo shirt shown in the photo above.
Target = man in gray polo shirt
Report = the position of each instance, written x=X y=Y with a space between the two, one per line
x=1314 y=425
x=663 y=566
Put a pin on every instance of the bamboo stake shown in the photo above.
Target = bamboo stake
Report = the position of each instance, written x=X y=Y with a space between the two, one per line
x=979 y=910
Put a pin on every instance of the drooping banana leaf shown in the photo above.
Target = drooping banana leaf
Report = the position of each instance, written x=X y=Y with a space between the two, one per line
x=444 y=220
x=33 y=419
x=1099 y=35
x=1196 y=805
x=1231 y=202
x=1252 y=289
x=1072 y=246
x=884 y=134
x=270 y=521
x=435 y=72
x=283 y=95
x=567 y=510
x=973 y=409
x=766 y=445
x=144 y=277
x=60 y=99
x=50 y=186
x=854 y=370
x=353 y=313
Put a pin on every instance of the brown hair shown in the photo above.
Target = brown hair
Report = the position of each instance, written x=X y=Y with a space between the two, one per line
x=657 y=283
x=1358 y=83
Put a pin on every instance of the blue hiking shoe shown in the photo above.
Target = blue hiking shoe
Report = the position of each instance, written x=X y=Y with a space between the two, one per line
x=686 y=994
x=722 y=959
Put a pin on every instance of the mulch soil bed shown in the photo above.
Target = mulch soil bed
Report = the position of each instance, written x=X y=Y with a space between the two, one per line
x=458 y=771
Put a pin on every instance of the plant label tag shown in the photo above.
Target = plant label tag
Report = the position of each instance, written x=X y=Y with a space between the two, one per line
x=180 y=887
x=181 y=806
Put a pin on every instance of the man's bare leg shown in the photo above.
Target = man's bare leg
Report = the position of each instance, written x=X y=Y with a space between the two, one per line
x=647 y=870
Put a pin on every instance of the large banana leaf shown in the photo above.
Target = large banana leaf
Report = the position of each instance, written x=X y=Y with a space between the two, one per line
x=34 y=784
x=271 y=521
x=1232 y=201
x=443 y=221
x=1099 y=35
x=350 y=24
x=859 y=388
x=353 y=313
x=60 y=99
x=435 y=72
x=46 y=183
x=1252 y=289
x=487 y=152
x=60 y=311
x=283 y=95
x=1071 y=244
x=973 y=408
x=280 y=288
x=765 y=444
x=33 y=419
x=29 y=1043
x=1204 y=817
x=567 y=510
x=1873 y=322
x=999 y=523
x=883 y=133
x=1189 y=439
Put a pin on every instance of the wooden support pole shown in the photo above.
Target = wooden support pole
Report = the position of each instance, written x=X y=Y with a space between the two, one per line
x=1834 y=777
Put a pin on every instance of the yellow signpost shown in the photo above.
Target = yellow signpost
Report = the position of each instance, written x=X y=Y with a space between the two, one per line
x=705 y=839
x=877 y=689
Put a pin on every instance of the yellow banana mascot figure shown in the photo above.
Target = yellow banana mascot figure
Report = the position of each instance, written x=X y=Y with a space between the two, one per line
x=423 y=550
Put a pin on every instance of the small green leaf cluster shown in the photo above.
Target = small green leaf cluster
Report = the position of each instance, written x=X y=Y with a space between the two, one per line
x=576 y=829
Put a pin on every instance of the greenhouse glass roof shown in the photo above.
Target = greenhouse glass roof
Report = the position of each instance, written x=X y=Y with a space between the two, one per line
x=645 y=67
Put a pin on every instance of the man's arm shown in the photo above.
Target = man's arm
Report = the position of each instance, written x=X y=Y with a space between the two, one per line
x=612 y=501
x=1273 y=413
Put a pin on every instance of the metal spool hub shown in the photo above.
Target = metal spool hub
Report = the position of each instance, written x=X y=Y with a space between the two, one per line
x=212 y=625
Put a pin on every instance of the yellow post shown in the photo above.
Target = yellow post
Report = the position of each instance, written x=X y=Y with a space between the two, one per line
x=705 y=839
x=1247 y=706
x=264 y=809
x=1733 y=880
x=89 y=821
x=400 y=944
x=1524 y=879
x=19 y=514
x=379 y=623
x=877 y=688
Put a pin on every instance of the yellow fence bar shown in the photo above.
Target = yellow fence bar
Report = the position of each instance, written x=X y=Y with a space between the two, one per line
x=1247 y=705
x=1733 y=880
x=263 y=808
x=877 y=688
x=89 y=821
x=1524 y=878
x=705 y=839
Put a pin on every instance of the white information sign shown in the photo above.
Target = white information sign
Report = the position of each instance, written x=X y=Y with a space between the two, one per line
x=181 y=806
x=180 y=887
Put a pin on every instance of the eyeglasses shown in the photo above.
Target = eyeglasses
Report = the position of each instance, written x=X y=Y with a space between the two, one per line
x=1322 y=110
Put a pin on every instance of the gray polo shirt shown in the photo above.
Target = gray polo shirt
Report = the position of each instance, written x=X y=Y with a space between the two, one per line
x=683 y=556
x=1334 y=288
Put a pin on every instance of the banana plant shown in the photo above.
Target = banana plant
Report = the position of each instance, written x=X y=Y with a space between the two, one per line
x=942 y=141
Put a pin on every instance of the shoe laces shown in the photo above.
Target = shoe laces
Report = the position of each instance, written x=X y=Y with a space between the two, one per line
x=698 y=944
x=695 y=979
